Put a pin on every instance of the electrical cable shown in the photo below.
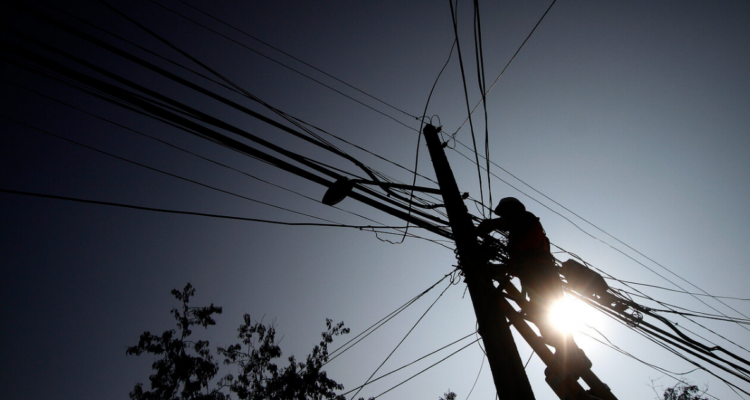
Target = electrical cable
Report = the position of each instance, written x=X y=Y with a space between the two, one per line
x=191 y=153
x=424 y=370
x=707 y=316
x=170 y=123
x=252 y=97
x=297 y=59
x=663 y=320
x=385 y=319
x=107 y=203
x=285 y=66
x=193 y=112
x=466 y=96
x=146 y=104
x=404 y=338
x=411 y=363
x=608 y=234
x=421 y=123
x=153 y=53
x=666 y=337
x=479 y=53
x=621 y=251
x=508 y=64
x=484 y=355
x=728 y=383
x=163 y=172
x=529 y=360
x=655 y=367
x=668 y=323
x=681 y=291
x=663 y=345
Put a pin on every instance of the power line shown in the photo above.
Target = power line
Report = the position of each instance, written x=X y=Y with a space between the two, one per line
x=286 y=66
x=481 y=365
x=671 y=350
x=372 y=328
x=479 y=53
x=507 y=65
x=213 y=161
x=296 y=59
x=156 y=108
x=153 y=53
x=108 y=203
x=655 y=367
x=235 y=88
x=665 y=338
x=421 y=124
x=618 y=250
x=466 y=95
x=160 y=171
x=424 y=370
x=682 y=291
x=413 y=362
x=654 y=300
x=404 y=338
x=182 y=108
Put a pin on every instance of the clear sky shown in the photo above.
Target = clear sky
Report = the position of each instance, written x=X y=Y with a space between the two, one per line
x=632 y=115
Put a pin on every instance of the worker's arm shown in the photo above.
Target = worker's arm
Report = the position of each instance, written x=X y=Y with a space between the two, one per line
x=488 y=225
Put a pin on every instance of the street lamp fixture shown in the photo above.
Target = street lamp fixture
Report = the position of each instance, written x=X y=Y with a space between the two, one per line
x=341 y=188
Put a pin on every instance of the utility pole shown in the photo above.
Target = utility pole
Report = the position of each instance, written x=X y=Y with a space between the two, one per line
x=508 y=373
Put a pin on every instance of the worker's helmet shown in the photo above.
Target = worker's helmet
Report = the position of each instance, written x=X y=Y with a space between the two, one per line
x=509 y=206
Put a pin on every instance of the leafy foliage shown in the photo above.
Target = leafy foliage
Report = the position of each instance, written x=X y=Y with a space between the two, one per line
x=684 y=391
x=259 y=378
x=186 y=367
x=449 y=395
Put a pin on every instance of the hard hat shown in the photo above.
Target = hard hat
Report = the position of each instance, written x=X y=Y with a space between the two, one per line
x=509 y=205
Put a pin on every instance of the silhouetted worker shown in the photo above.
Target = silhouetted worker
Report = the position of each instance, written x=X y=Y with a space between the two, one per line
x=531 y=261
x=528 y=251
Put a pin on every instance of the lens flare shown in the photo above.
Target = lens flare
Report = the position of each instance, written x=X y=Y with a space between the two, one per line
x=569 y=315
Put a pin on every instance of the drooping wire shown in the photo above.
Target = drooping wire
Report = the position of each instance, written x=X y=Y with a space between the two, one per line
x=205 y=158
x=481 y=365
x=171 y=103
x=479 y=52
x=123 y=98
x=421 y=125
x=663 y=345
x=508 y=64
x=249 y=95
x=240 y=90
x=454 y=16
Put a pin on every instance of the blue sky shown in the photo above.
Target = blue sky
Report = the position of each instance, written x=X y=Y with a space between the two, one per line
x=634 y=116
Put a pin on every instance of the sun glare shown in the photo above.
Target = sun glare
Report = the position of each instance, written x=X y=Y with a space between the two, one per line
x=569 y=315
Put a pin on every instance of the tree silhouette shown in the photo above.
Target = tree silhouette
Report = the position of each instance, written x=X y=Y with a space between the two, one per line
x=684 y=391
x=187 y=368
x=259 y=378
